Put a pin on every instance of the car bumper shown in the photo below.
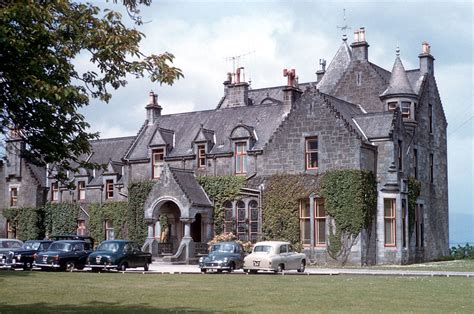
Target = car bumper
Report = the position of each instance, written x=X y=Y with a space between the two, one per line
x=43 y=265
x=95 y=266
x=12 y=265
x=215 y=266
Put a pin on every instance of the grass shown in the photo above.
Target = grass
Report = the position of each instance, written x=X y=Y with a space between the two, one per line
x=465 y=265
x=79 y=292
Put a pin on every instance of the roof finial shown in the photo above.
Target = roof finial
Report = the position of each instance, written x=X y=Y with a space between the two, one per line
x=344 y=27
x=398 y=51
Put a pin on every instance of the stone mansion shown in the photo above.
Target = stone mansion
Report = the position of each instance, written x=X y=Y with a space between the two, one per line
x=356 y=115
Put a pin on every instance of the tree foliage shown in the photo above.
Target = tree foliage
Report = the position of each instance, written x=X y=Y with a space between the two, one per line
x=41 y=90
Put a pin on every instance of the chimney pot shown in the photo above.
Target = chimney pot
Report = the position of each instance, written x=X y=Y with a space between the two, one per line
x=425 y=47
x=362 y=34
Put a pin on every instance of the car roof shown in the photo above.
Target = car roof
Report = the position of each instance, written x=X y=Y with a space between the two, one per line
x=272 y=243
x=224 y=242
x=16 y=240
x=118 y=241
x=42 y=241
x=70 y=241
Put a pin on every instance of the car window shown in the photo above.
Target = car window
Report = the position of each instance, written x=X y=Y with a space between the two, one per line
x=136 y=247
x=262 y=248
x=13 y=244
x=44 y=246
x=283 y=248
x=290 y=249
x=79 y=247
x=60 y=246
x=127 y=248
x=30 y=245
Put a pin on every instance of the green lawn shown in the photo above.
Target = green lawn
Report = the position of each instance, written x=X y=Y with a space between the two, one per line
x=116 y=292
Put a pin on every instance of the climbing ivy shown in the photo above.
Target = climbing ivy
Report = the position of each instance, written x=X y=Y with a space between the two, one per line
x=136 y=225
x=114 y=211
x=280 y=206
x=351 y=200
x=414 y=189
x=60 y=218
x=27 y=222
x=221 y=189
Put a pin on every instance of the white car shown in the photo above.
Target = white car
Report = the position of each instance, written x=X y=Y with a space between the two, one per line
x=275 y=256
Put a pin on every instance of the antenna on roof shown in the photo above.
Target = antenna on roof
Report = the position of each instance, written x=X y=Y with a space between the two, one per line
x=236 y=60
x=344 y=27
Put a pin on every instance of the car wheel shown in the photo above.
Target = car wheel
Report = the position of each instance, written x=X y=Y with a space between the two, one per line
x=95 y=270
x=80 y=267
x=280 y=268
x=302 y=266
x=253 y=271
x=70 y=266
x=231 y=267
x=122 y=267
x=145 y=267
x=219 y=271
x=203 y=270
x=27 y=266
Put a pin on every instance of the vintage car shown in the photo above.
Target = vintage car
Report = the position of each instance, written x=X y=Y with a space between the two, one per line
x=118 y=254
x=23 y=257
x=63 y=255
x=274 y=256
x=223 y=256
x=7 y=246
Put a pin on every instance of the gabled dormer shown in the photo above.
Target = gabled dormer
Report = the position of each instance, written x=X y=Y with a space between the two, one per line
x=242 y=138
x=162 y=138
x=202 y=144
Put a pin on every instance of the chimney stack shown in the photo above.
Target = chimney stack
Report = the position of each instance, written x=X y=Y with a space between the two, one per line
x=360 y=47
x=236 y=90
x=320 y=72
x=426 y=59
x=291 y=92
x=153 y=109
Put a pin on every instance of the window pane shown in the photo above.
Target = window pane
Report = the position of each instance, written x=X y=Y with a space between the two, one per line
x=320 y=211
x=254 y=227
x=312 y=144
x=305 y=232
x=388 y=232
x=241 y=214
x=321 y=231
x=305 y=209
x=312 y=160
x=388 y=207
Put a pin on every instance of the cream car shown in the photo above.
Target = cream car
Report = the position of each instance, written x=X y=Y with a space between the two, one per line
x=274 y=256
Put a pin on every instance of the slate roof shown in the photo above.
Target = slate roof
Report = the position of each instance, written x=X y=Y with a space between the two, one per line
x=104 y=150
x=191 y=188
x=376 y=125
x=416 y=79
x=264 y=119
x=336 y=69
x=39 y=173
x=399 y=83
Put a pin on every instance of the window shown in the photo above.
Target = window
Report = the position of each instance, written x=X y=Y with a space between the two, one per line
x=389 y=221
x=109 y=230
x=109 y=189
x=431 y=168
x=311 y=152
x=242 y=227
x=319 y=222
x=400 y=156
x=404 y=222
x=228 y=223
x=253 y=221
x=359 y=78
x=241 y=157
x=415 y=163
x=81 y=228
x=81 y=190
x=13 y=197
x=54 y=191
x=430 y=118
x=11 y=230
x=419 y=226
x=392 y=105
x=406 y=109
x=158 y=156
x=201 y=156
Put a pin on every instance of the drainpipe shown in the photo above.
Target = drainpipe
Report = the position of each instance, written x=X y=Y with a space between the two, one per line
x=311 y=225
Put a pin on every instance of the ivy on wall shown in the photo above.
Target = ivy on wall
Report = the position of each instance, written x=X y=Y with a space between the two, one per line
x=280 y=207
x=221 y=189
x=26 y=222
x=414 y=189
x=60 y=218
x=351 y=200
x=114 y=211
x=135 y=216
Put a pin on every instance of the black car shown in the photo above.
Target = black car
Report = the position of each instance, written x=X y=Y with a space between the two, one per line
x=64 y=255
x=118 y=254
x=23 y=257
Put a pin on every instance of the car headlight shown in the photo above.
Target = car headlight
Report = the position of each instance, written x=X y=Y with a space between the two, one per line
x=226 y=259
x=18 y=257
x=201 y=259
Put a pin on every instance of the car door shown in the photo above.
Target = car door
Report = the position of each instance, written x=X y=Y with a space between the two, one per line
x=282 y=256
x=293 y=258
x=128 y=256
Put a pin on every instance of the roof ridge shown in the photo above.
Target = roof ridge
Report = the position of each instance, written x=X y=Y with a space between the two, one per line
x=113 y=138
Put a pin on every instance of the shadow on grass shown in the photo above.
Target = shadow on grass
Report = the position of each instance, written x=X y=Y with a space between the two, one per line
x=93 y=307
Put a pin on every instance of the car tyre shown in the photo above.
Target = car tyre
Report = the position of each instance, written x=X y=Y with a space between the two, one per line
x=122 y=267
x=203 y=270
x=80 y=267
x=145 y=267
x=280 y=268
x=302 y=266
x=95 y=270
x=253 y=271
x=27 y=266
x=231 y=267
x=70 y=266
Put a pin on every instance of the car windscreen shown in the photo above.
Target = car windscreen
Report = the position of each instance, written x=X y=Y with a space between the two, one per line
x=224 y=248
x=263 y=248
x=109 y=246
x=10 y=244
x=31 y=245
x=60 y=246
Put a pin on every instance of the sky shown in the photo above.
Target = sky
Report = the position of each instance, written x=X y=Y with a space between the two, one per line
x=270 y=36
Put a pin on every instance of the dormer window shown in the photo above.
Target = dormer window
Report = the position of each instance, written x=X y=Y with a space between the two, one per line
x=81 y=190
x=241 y=157
x=54 y=191
x=201 y=156
x=158 y=157
x=109 y=189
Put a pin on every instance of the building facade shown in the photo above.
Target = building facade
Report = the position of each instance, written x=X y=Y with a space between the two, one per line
x=356 y=115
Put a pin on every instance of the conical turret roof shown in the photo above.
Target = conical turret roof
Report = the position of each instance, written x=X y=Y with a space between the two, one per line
x=399 y=83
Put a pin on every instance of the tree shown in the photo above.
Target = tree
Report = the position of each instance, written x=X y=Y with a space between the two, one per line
x=40 y=88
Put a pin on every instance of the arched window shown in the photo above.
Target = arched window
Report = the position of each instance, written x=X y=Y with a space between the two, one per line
x=253 y=220
x=242 y=225
x=228 y=215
